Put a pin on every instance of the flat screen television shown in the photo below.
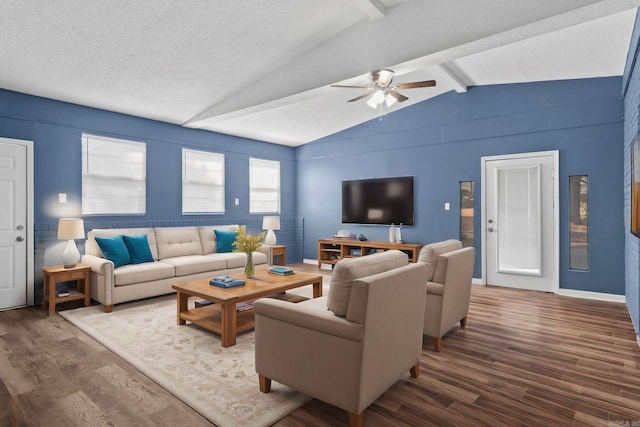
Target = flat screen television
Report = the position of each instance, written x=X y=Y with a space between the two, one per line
x=381 y=201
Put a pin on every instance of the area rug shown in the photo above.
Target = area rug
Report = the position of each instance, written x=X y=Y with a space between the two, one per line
x=219 y=383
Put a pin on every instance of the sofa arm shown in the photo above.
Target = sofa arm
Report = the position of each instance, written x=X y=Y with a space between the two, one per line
x=102 y=280
x=266 y=249
x=98 y=265
x=303 y=316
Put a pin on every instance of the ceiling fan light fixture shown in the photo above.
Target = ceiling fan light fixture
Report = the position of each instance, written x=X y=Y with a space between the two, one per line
x=376 y=98
x=389 y=100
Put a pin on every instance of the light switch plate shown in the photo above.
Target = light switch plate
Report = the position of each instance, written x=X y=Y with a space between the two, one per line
x=447 y=206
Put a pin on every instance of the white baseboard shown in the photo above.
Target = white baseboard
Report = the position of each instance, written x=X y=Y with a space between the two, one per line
x=592 y=295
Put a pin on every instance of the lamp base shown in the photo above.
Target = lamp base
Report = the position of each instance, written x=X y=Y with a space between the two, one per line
x=270 y=239
x=71 y=255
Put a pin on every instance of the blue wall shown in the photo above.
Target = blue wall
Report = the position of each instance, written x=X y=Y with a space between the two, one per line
x=631 y=91
x=56 y=128
x=441 y=141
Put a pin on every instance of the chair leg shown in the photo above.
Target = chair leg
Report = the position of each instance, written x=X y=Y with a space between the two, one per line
x=463 y=321
x=415 y=370
x=355 y=420
x=265 y=383
x=437 y=343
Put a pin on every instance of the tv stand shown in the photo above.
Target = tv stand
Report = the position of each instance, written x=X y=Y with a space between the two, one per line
x=330 y=251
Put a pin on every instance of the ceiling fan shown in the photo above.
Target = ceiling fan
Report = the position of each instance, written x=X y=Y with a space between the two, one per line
x=381 y=91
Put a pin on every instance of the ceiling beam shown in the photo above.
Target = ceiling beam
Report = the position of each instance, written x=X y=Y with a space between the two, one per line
x=373 y=8
x=448 y=77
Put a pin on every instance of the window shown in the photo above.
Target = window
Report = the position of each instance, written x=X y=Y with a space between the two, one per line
x=113 y=176
x=264 y=186
x=466 y=213
x=578 y=222
x=202 y=182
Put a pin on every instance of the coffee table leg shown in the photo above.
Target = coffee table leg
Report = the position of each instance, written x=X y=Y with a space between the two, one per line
x=228 y=321
x=317 y=289
x=183 y=299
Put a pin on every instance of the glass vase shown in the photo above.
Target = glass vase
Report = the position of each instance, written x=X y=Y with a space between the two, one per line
x=249 y=268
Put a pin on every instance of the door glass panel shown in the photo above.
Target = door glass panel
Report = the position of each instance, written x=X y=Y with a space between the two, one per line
x=466 y=213
x=518 y=221
x=578 y=222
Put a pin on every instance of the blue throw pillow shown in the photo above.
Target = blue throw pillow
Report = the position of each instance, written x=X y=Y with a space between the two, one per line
x=114 y=249
x=224 y=240
x=138 y=247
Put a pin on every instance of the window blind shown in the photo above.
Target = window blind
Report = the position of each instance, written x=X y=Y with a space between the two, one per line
x=202 y=182
x=113 y=176
x=264 y=186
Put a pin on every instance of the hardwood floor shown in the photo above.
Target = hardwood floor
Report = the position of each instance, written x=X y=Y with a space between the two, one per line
x=525 y=359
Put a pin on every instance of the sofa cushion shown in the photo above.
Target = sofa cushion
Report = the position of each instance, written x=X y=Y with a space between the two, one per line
x=192 y=264
x=145 y=272
x=114 y=249
x=350 y=269
x=208 y=236
x=138 y=247
x=91 y=246
x=224 y=240
x=236 y=259
x=429 y=254
x=239 y=259
x=177 y=241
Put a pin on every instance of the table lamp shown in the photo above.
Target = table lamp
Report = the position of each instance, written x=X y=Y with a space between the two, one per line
x=69 y=229
x=270 y=223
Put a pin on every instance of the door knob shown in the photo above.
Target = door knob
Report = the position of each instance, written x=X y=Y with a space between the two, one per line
x=490 y=229
x=19 y=238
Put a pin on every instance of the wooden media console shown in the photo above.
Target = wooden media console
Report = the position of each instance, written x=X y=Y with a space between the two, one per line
x=331 y=251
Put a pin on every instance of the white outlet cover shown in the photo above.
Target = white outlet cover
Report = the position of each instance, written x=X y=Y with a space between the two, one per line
x=447 y=206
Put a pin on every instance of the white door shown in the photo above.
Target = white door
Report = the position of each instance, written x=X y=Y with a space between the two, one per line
x=520 y=213
x=15 y=236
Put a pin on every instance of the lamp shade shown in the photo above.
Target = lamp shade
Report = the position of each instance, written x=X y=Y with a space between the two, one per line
x=271 y=223
x=70 y=228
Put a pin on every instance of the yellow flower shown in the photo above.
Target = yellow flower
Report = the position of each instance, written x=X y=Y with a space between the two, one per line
x=247 y=242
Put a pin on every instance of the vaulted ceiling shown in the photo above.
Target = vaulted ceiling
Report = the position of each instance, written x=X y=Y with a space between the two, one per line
x=263 y=69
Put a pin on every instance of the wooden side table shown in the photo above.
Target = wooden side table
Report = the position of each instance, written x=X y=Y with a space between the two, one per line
x=81 y=273
x=279 y=251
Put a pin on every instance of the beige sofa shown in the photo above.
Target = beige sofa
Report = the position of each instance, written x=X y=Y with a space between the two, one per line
x=180 y=254
x=350 y=347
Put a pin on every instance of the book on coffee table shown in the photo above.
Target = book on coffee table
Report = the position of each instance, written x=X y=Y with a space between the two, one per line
x=226 y=282
x=282 y=271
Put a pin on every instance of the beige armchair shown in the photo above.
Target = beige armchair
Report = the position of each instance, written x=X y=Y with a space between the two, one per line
x=350 y=347
x=449 y=275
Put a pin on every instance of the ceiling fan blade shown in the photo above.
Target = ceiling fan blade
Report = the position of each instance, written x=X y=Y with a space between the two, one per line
x=411 y=85
x=357 y=98
x=398 y=96
x=354 y=87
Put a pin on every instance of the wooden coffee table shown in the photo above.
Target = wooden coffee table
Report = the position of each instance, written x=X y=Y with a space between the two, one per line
x=222 y=317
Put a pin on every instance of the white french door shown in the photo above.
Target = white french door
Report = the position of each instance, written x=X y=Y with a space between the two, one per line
x=520 y=213
x=16 y=228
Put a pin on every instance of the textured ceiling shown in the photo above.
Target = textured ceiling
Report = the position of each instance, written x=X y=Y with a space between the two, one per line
x=262 y=69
